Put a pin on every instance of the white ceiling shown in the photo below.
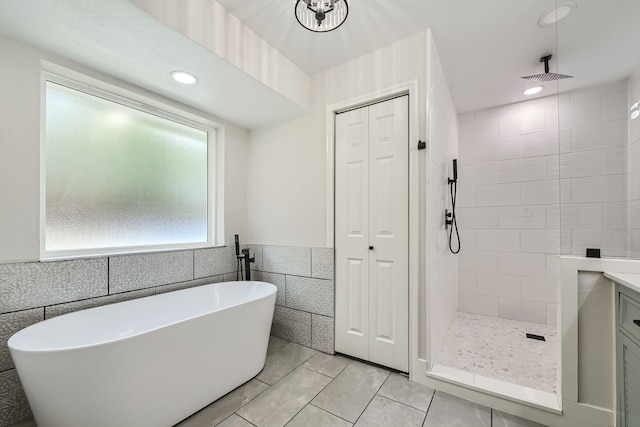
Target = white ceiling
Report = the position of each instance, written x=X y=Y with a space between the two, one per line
x=485 y=46
x=119 y=39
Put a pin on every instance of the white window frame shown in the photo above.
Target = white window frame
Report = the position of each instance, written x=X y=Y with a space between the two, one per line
x=152 y=105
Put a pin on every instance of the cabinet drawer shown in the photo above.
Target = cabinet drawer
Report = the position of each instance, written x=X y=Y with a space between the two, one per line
x=630 y=316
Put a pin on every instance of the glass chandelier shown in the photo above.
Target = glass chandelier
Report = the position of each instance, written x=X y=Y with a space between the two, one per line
x=321 y=15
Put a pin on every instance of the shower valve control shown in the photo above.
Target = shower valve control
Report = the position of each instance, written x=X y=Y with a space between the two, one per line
x=447 y=219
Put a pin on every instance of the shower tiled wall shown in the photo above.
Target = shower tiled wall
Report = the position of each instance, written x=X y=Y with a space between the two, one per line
x=531 y=189
x=32 y=292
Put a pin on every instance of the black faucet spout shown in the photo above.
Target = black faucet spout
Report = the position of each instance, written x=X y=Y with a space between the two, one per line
x=248 y=259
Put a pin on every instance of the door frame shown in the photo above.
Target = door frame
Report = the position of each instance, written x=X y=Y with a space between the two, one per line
x=407 y=88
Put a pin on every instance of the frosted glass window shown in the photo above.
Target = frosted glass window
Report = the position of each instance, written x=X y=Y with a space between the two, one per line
x=119 y=177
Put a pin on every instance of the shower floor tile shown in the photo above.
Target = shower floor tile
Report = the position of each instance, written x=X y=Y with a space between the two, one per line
x=498 y=348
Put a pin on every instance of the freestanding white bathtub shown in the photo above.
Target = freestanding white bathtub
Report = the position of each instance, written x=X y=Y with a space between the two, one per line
x=146 y=362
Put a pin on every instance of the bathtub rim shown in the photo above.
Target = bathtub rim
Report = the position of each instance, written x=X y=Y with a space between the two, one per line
x=270 y=294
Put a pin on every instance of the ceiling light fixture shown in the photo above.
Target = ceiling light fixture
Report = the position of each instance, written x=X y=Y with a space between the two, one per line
x=184 y=77
x=321 y=16
x=533 y=90
x=557 y=14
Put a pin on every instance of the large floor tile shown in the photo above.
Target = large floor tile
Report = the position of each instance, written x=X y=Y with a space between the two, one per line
x=276 y=406
x=276 y=344
x=235 y=421
x=383 y=412
x=450 y=411
x=327 y=364
x=282 y=361
x=502 y=419
x=350 y=392
x=311 y=416
x=225 y=406
x=399 y=388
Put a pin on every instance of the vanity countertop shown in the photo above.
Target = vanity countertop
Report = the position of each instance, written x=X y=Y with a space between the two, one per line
x=630 y=280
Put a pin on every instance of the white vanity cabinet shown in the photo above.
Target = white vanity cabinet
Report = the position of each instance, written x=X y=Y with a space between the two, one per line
x=628 y=355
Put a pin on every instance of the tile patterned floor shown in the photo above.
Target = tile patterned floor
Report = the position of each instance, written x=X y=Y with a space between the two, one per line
x=300 y=387
x=498 y=348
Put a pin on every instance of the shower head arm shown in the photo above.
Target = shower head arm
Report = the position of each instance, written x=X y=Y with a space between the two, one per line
x=546 y=59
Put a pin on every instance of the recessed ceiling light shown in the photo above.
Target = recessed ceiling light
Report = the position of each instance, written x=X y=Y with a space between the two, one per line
x=557 y=14
x=184 y=77
x=635 y=110
x=533 y=90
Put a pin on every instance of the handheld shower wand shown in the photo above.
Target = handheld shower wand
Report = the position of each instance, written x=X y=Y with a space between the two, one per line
x=450 y=217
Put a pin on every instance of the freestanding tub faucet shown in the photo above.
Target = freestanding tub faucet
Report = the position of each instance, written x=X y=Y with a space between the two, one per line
x=245 y=256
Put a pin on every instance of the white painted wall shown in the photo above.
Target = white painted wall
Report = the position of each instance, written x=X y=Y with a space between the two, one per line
x=442 y=265
x=287 y=185
x=20 y=151
x=531 y=189
x=286 y=194
x=634 y=168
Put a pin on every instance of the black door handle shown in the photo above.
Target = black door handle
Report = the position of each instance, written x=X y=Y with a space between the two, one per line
x=637 y=322
x=370 y=248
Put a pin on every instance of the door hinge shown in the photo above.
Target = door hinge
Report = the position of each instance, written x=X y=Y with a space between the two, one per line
x=422 y=145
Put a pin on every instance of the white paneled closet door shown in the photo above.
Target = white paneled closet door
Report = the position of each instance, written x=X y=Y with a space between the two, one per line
x=372 y=223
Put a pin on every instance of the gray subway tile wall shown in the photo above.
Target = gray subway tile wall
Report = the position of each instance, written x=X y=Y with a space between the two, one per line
x=308 y=294
x=275 y=279
x=37 y=284
x=189 y=284
x=291 y=260
x=305 y=303
x=10 y=323
x=60 y=309
x=213 y=261
x=31 y=292
x=322 y=333
x=292 y=325
x=14 y=406
x=132 y=272
x=322 y=263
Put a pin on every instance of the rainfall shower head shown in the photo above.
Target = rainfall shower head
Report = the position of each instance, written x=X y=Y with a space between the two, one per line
x=547 y=76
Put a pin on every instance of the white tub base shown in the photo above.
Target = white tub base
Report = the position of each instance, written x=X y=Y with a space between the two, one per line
x=156 y=360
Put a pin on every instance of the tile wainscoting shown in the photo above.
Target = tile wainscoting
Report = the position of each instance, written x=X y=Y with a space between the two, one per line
x=305 y=304
x=32 y=292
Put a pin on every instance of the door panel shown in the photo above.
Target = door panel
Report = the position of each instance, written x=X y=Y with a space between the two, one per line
x=383 y=299
x=356 y=318
x=372 y=216
x=351 y=233
x=355 y=204
x=389 y=233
